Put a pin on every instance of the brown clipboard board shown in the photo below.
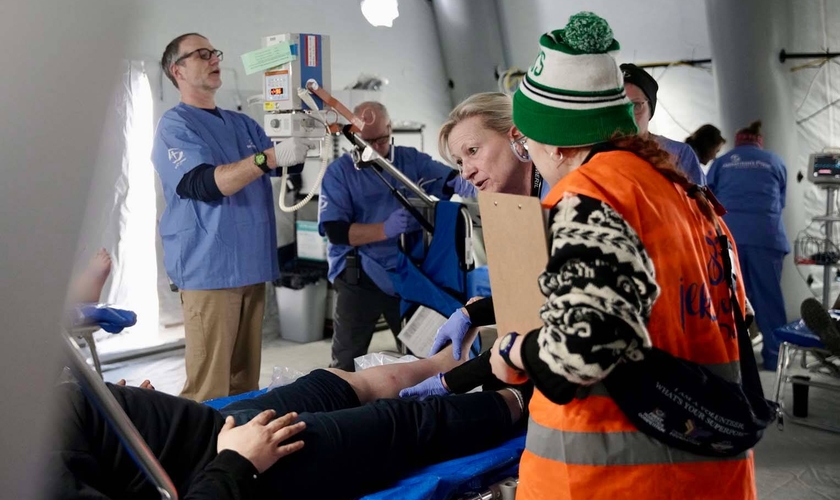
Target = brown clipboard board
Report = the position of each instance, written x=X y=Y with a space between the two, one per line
x=517 y=253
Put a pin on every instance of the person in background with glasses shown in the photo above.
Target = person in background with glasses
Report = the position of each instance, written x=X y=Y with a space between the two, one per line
x=218 y=228
x=641 y=89
x=363 y=221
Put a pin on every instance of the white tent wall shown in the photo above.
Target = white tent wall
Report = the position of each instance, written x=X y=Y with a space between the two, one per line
x=408 y=54
x=813 y=29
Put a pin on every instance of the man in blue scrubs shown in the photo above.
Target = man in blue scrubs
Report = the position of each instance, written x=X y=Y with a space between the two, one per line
x=218 y=228
x=751 y=183
x=641 y=89
x=363 y=222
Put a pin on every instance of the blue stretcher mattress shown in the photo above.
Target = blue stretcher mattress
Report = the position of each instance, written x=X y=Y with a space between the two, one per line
x=446 y=479
x=797 y=333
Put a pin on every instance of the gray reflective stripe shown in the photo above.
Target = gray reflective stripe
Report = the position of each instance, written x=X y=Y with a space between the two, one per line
x=607 y=448
x=731 y=372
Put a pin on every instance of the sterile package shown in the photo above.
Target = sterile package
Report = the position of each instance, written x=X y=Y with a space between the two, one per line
x=380 y=359
x=284 y=375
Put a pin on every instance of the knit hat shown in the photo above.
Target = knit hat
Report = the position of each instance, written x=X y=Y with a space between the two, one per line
x=642 y=79
x=573 y=95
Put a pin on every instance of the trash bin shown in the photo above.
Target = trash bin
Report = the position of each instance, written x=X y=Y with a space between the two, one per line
x=301 y=294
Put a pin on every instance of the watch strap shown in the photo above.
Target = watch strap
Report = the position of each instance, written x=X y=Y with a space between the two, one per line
x=505 y=352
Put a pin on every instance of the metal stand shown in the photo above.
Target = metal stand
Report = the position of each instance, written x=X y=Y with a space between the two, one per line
x=830 y=196
x=86 y=332
x=787 y=353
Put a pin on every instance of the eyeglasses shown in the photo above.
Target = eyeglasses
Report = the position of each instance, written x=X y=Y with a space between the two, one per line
x=204 y=54
x=381 y=140
x=639 y=106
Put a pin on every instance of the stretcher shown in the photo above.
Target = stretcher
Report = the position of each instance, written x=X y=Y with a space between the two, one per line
x=487 y=475
x=481 y=476
x=796 y=339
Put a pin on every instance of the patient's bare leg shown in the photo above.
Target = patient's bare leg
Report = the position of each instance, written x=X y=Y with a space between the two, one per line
x=387 y=381
x=87 y=287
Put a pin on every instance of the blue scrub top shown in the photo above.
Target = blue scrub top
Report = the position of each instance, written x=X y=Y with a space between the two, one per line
x=213 y=245
x=684 y=157
x=751 y=184
x=359 y=196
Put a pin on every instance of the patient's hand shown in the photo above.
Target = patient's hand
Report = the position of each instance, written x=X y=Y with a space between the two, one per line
x=145 y=385
x=259 y=440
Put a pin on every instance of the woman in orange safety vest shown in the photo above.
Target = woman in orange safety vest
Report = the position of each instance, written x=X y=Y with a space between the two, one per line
x=633 y=263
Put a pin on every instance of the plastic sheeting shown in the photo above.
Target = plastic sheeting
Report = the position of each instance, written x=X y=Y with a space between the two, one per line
x=120 y=215
x=816 y=90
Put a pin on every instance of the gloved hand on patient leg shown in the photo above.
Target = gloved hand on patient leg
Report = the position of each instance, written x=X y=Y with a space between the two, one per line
x=432 y=386
x=454 y=330
x=462 y=187
x=399 y=222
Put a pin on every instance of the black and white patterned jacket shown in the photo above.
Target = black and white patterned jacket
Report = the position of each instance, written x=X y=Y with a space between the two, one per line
x=600 y=287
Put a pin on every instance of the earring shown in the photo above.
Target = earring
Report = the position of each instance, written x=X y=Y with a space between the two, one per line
x=523 y=157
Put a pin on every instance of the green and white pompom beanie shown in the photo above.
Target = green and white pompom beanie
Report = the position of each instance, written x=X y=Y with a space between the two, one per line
x=573 y=95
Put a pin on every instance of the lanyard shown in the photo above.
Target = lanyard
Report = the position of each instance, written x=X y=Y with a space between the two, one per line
x=536 y=183
x=749 y=369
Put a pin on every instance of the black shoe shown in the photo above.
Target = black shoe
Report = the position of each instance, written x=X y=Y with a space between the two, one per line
x=818 y=320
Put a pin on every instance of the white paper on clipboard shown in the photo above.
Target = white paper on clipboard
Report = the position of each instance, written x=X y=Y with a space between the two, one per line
x=419 y=333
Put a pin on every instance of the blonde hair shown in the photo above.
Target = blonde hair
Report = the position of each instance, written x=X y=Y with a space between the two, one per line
x=494 y=108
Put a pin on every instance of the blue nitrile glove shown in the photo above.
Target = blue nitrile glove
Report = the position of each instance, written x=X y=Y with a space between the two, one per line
x=110 y=319
x=454 y=330
x=399 y=222
x=462 y=187
x=432 y=386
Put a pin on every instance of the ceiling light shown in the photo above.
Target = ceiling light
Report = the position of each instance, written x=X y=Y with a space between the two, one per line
x=380 y=12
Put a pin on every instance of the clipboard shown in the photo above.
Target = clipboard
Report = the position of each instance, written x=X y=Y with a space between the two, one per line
x=516 y=242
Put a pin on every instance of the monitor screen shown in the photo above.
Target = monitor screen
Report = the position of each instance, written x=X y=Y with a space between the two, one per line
x=825 y=167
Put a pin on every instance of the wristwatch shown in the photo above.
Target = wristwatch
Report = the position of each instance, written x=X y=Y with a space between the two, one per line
x=261 y=161
x=504 y=349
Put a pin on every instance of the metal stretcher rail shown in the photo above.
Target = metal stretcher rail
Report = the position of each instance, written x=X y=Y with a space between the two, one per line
x=104 y=401
x=504 y=490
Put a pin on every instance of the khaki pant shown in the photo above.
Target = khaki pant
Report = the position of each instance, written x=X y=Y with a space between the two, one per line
x=224 y=341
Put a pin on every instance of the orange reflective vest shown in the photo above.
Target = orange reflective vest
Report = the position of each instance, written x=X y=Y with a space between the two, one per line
x=588 y=449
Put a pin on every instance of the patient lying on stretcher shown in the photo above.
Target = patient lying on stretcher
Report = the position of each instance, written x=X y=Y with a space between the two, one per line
x=330 y=434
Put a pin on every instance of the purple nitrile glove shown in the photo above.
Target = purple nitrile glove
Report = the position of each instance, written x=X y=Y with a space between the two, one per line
x=462 y=187
x=399 y=222
x=432 y=386
x=454 y=330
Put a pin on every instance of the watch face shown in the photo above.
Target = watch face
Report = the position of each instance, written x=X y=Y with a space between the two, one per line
x=259 y=158
x=506 y=342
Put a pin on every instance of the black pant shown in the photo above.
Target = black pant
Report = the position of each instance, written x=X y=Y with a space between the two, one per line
x=350 y=450
x=357 y=309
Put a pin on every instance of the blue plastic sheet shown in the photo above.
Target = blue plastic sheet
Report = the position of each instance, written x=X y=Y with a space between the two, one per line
x=470 y=473
x=797 y=333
